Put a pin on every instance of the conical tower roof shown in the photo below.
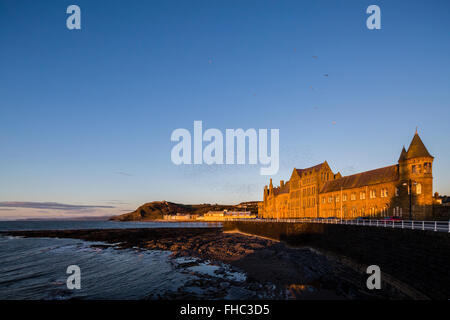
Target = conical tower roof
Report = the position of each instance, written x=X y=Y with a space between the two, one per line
x=417 y=148
x=402 y=155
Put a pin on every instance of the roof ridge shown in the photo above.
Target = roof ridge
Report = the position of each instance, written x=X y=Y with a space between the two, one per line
x=355 y=174
x=312 y=167
x=370 y=177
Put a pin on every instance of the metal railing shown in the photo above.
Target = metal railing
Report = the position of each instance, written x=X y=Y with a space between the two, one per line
x=441 y=226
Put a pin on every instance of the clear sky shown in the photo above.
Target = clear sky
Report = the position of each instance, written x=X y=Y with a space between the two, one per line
x=86 y=115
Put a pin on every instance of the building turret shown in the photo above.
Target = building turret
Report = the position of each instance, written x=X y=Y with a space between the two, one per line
x=415 y=169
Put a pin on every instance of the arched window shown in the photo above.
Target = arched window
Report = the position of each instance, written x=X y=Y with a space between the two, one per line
x=418 y=188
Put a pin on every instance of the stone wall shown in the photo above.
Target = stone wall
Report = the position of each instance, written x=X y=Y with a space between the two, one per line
x=441 y=212
x=417 y=258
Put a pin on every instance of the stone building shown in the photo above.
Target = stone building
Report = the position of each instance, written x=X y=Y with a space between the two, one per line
x=390 y=191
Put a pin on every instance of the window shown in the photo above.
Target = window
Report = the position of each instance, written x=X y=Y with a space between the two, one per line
x=353 y=196
x=384 y=193
x=337 y=198
x=427 y=167
x=414 y=168
x=396 y=191
x=372 y=194
x=419 y=188
x=323 y=199
x=344 y=197
x=362 y=195
x=330 y=199
x=395 y=212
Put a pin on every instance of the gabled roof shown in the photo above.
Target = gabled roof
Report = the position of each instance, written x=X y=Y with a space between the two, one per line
x=371 y=177
x=280 y=190
x=314 y=168
x=417 y=149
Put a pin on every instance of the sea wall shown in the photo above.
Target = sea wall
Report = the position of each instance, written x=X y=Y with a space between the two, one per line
x=420 y=259
x=441 y=212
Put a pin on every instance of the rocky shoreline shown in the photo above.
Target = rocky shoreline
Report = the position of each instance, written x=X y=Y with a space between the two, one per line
x=233 y=265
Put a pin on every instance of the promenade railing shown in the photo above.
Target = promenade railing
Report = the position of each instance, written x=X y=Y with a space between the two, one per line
x=441 y=226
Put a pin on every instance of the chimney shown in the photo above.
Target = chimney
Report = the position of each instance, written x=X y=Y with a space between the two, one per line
x=282 y=183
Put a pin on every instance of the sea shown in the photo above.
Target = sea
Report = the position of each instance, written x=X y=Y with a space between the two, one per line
x=36 y=268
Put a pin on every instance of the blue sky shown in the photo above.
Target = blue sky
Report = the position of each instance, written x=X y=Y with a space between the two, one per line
x=86 y=115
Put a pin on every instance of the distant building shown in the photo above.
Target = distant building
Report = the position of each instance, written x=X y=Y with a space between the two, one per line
x=180 y=216
x=224 y=215
x=319 y=192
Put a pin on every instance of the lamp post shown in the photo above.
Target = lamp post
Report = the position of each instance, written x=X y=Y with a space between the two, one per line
x=409 y=184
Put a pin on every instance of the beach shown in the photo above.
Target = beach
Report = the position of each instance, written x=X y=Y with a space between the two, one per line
x=246 y=265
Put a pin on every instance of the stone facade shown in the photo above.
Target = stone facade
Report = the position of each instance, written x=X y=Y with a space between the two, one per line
x=319 y=192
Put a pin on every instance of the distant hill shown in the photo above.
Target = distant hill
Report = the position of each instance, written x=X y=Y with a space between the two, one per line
x=156 y=209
